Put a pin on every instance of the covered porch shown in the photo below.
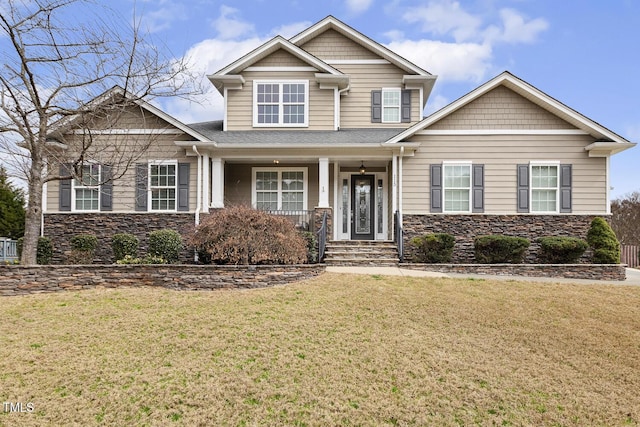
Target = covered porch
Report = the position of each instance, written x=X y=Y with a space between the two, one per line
x=359 y=192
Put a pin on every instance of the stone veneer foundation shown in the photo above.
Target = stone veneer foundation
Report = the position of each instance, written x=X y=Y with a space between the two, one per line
x=60 y=228
x=18 y=280
x=466 y=227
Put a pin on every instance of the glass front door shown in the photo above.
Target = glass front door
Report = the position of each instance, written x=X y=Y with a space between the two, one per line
x=362 y=207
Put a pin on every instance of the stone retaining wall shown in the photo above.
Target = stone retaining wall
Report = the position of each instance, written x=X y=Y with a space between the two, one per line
x=466 y=227
x=18 y=280
x=610 y=272
x=60 y=228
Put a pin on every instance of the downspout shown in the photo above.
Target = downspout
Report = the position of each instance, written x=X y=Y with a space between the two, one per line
x=198 y=184
x=400 y=183
x=339 y=106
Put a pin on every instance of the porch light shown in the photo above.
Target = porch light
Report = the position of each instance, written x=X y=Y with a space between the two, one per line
x=275 y=162
x=362 y=168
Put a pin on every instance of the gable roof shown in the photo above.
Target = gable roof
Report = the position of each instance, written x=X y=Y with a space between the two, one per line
x=262 y=52
x=330 y=22
x=67 y=123
x=605 y=136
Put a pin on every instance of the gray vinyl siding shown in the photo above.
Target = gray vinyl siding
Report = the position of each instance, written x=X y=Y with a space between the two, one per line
x=500 y=156
x=333 y=45
x=356 y=105
x=501 y=108
x=237 y=182
x=240 y=102
x=123 y=192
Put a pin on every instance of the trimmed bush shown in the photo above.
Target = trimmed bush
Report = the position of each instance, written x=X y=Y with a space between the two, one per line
x=44 y=251
x=242 y=235
x=165 y=244
x=83 y=247
x=561 y=250
x=312 y=246
x=124 y=244
x=498 y=249
x=433 y=248
x=603 y=242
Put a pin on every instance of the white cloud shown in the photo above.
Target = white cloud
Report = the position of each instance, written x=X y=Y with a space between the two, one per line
x=444 y=17
x=515 y=28
x=435 y=103
x=450 y=61
x=358 y=6
x=163 y=18
x=229 y=26
x=289 y=30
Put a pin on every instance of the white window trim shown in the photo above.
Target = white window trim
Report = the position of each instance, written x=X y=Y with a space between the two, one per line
x=98 y=187
x=149 y=188
x=281 y=103
x=305 y=184
x=445 y=188
x=557 y=188
x=399 y=91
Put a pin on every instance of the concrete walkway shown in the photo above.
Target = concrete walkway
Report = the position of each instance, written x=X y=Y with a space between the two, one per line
x=633 y=275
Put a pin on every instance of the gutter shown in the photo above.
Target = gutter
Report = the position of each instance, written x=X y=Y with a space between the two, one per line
x=199 y=184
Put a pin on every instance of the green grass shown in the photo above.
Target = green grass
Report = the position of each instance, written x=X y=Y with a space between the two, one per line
x=336 y=350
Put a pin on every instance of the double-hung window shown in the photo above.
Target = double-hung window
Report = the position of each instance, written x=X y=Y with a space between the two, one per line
x=457 y=187
x=391 y=105
x=86 y=189
x=280 y=189
x=281 y=103
x=544 y=187
x=162 y=186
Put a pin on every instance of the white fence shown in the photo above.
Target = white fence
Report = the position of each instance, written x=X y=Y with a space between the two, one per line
x=8 y=250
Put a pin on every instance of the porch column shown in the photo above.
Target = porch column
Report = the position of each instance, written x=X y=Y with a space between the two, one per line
x=323 y=182
x=217 y=182
x=394 y=184
x=206 y=179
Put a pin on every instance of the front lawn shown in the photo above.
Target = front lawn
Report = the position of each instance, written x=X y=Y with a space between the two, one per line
x=335 y=350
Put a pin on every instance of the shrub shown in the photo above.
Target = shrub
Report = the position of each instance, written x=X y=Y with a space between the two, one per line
x=83 y=247
x=124 y=244
x=603 y=242
x=496 y=249
x=44 y=251
x=149 y=259
x=561 y=250
x=242 y=235
x=433 y=248
x=312 y=246
x=166 y=244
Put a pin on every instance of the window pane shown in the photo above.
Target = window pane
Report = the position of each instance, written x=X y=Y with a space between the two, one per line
x=544 y=176
x=457 y=176
x=391 y=114
x=543 y=200
x=87 y=199
x=456 y=200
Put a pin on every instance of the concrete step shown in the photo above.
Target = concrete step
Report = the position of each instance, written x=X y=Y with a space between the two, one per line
x=361 y=253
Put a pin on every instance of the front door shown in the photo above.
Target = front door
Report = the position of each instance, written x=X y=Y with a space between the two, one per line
x=362 y=204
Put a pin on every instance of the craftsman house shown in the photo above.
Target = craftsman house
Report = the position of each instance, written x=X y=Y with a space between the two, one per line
x=331 y=121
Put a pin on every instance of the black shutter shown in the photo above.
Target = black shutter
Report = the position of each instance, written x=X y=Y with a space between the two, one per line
x=478 y=188
x=142 y=169
x=436 y=188
x=523 y=188
x=183 y=186
x=376 y=106
x=565 y=188
x=106 y=189
x=406 y=106
x=65 y=188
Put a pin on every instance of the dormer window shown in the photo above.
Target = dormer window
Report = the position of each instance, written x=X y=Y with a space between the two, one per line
x=280 y=103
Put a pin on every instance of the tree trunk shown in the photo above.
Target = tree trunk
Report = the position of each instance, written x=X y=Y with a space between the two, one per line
x=33 y=215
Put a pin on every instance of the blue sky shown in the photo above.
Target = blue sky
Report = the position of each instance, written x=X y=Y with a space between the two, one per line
x=585 y=54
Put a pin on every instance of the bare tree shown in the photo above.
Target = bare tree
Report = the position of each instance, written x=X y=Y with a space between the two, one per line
x=625 y=218
x=70 y=67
